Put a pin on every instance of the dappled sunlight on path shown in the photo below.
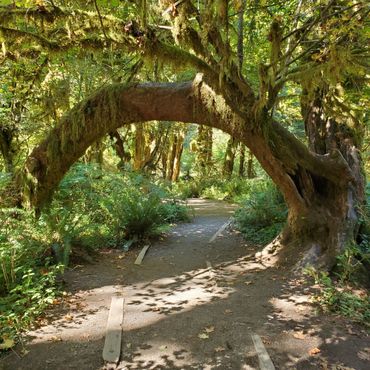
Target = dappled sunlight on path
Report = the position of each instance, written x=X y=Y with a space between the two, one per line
x=192 y=304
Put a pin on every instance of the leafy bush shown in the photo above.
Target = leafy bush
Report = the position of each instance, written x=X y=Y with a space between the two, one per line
x=263 y=212
x=341 y=298
x=214 y=192
x=27 y=277
x=213 y=188
x=91 y=208
x=187 y=189
x=4 y=179
x=172 y=211
x=97 y=208
x=27 y=300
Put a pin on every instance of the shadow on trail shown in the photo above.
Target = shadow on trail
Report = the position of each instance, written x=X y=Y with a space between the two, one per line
x=181 y=314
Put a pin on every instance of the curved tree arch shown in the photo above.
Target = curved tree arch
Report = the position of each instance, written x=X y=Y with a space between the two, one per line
x=288 y=162
x=320 y=47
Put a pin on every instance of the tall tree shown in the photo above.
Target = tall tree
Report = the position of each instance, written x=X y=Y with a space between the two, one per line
x=204 y=149
x=318 y=45
x=229 y=159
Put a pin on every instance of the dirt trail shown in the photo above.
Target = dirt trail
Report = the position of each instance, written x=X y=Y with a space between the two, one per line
x=181 y=314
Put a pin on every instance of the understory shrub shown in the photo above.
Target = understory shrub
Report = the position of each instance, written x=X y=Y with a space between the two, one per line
x=263 y=212
x=27 y=274
x=213 y=188
x=96 y=208
x=91 y=209
x=345 y=291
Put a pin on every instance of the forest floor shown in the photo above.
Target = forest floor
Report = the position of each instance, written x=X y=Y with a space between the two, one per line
x=179 y=313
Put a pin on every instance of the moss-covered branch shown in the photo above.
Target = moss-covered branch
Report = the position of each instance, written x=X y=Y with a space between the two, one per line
x=279 y=152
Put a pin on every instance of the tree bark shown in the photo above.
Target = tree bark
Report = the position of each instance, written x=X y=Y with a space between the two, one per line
x=178 y=154
x=94 y=154
x=172 y=156
x=229 y=158
x=7 y=148
x=139 y=154
x=318 y=188
x=204 y=149
x=119 y=146
x=328 y=222
x=250 y=168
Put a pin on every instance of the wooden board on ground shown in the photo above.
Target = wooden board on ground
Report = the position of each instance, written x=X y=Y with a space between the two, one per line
x=211 y=273
x=220 y=230
x=263 y=357
x=141 y=255
x=112 y=344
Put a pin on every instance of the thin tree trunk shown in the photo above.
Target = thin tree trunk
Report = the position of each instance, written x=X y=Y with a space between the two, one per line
x=119 y=146
x=242 y=160
x=94 y=154
x=164 y=160
x=240 y=45
x=204 y=149
x=250 y=167
x=152 y=156
x=172 y=156
x=229 y=158
x=7 y=148
x=178 y=154
x=139 y=147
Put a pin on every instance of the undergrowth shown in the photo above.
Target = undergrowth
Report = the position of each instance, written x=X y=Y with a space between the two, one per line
x=341 y=293
x=213 y=188
x=27 y=273
x=91 y=209
x=262 y=214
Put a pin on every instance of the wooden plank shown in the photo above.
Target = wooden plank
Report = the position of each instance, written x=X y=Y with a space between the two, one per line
x=141 y=255
x=112 y=344
x=263 y=357
x=211 y=273
x=220 y=230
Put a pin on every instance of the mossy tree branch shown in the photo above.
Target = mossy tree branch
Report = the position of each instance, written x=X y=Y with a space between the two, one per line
x=193 y=102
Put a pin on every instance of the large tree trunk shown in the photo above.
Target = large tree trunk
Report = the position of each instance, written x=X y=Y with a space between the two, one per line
x=321 y=190
x=328 y=222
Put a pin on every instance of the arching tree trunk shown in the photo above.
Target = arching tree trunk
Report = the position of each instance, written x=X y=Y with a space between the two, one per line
x=321 y=190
